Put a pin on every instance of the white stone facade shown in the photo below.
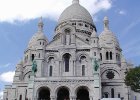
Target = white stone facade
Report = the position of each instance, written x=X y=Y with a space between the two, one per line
x=66 y=65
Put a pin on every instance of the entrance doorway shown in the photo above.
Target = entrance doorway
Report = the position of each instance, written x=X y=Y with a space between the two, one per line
x=82 y=94
x=63 y=94
x=44 y=94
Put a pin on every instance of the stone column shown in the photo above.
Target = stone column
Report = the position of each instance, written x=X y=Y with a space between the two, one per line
x=53 y=98
x=72 y=98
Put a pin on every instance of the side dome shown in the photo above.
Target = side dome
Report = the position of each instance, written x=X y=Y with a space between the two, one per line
x=75 y=12
x=33 y=43
x=35 y=38
x=107 y=37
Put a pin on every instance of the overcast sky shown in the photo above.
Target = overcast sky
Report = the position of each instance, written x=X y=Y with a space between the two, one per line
x=19 y=18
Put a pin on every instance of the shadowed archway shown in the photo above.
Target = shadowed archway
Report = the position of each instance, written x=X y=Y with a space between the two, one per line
x=63 y=94
x=44 y=93
x=82 y=93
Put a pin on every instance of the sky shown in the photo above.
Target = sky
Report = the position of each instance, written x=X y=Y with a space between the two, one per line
x=19 y=18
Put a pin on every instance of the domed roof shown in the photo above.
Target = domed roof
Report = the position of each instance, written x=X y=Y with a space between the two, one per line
x=75 y=12
x=37 y=36
x=107 y=37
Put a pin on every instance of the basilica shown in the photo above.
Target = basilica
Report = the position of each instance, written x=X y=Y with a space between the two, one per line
x=76 y=64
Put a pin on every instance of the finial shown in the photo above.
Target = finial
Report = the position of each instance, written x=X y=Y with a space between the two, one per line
x=106 y=23
x=75 y=1
x=40 y=25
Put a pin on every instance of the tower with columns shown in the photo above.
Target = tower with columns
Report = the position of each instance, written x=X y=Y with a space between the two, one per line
x=76 y=64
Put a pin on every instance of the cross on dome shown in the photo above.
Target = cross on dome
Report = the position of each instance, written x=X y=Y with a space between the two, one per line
x=106 y=23
x=75 y=1
x=40 y=25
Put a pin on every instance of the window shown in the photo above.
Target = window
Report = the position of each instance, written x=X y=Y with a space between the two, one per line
x=33 y=56
x=80 y=24
x=106 y=95
x=107 y=56
x=119 y=95
x=94 y=53
x=86 y=25
x=66 y=58
x=112 y=93
x=39 y=55
x=83 y=70
x=110 y=55
x=20 y=97
x=100 y=56
x=73 y=23
x=50 y=74
x=26 y=94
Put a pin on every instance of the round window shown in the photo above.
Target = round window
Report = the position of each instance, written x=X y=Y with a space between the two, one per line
x=110 y=74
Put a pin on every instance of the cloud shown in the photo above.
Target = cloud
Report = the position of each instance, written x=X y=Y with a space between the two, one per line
x=6 y=65
x=122 y=12
x=21 y=10
x=7 y=76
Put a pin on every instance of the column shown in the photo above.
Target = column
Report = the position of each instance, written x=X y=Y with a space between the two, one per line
x=53 y=98
x=91 y=98
x=72 y=98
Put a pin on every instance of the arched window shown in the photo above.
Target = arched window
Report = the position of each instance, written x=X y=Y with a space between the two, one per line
x=39 y=55
x=26 y=95
x=119 y=95
x=107 y=56
x=106 y=95
x=101 y=56
x=51 y=69
x=83 y=70
x=20 y=97
x=66 y=59
x=110 y=55
x=94 y=53
x=112 y=93
x=33 y=56
x=51 y=59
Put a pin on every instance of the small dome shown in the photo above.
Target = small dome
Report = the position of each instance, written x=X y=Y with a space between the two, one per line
x=75 y=12
x=107 y=37
x=37 y=36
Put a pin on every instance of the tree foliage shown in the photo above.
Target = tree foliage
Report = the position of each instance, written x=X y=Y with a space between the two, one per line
x=132 y=79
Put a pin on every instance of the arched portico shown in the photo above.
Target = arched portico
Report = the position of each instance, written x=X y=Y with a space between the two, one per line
x=63 y=93
x=43 y=93
x=82 y=93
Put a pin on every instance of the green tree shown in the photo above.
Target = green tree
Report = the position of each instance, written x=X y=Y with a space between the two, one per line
x=132 y=79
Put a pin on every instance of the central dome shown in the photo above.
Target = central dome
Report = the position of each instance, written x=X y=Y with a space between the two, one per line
x=75 y=12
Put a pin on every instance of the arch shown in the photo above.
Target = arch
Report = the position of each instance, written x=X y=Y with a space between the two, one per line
x=63 y=93
x=51 y=55
x=66 y=60
x=27 y=75
x=112 y=93
x=82 y=93
x=83 y=54
x=43 y=93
